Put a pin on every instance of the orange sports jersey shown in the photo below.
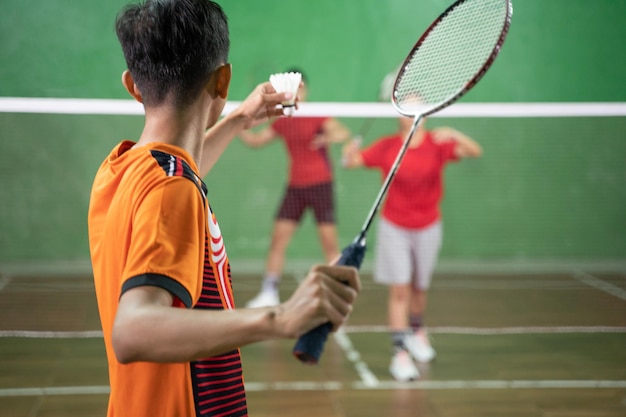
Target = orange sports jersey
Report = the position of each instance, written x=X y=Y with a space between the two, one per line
x=150 y=224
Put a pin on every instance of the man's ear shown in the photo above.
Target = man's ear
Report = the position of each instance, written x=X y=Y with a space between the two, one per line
x=222 y=77
x=130 y=86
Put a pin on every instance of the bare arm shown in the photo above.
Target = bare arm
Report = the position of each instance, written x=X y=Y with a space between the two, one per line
x=258 y=138
x=351 y=154
x=147 y=328
x=333 y=132
x=258 y=107
x=466 y=146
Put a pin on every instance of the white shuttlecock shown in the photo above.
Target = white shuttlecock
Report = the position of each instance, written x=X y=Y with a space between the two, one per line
x=287 y=82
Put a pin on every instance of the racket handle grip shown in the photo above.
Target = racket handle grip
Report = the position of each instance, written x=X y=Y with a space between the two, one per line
x=309 y=347
x=353 y=254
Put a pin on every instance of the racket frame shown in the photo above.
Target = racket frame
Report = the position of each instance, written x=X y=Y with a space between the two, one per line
x=473 y=81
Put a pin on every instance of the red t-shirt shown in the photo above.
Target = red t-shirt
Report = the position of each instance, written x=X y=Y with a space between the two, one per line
x=307 y=165
x=414 y=194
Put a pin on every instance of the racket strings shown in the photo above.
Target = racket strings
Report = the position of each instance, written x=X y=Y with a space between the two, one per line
x=450 y=56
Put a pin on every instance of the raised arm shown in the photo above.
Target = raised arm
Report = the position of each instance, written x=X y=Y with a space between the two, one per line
x=258 y=138
x=351 y=154
x=333 y=131
x=466 y=146
x=260 y=106
x=336 y=131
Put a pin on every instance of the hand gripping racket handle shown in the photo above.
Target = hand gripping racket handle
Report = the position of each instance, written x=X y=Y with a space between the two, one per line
x=309 y=346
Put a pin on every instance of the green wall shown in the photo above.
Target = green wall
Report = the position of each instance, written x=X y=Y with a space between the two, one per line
x=546 y=187
x=557 y=50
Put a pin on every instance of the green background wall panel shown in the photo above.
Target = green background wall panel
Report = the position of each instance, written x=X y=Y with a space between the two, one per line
x=558 y=50
x=545 y=188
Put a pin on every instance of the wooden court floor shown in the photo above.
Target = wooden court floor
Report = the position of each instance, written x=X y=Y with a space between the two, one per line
x=516 y=345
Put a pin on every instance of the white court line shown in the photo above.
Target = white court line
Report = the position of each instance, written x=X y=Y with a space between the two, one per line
x=485 y=331
x=36 y=334
x=295 y=386
x=477 y=331
x=300 y=267
x=336 y=386
x=367 y=377
x=497 y=384
x=37 y=391
x=600 y=284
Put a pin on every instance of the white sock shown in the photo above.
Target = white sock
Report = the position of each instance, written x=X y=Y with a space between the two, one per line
x=270 y=283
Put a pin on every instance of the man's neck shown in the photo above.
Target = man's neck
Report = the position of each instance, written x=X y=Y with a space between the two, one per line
x=184 y=129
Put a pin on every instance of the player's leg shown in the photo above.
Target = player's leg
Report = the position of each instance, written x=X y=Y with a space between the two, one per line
x=426 y=246
x=284 y=230
x=392 y=267
x=285 y=225
x=327 y=233
x=321 y=199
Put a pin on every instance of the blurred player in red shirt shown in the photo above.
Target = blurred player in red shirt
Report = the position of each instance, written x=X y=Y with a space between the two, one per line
x=410 y=229
x=310 y=186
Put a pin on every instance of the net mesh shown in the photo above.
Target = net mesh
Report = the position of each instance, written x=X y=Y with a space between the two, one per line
x=450 y=56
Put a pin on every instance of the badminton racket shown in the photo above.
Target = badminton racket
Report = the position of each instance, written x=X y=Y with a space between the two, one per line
x=447 y=61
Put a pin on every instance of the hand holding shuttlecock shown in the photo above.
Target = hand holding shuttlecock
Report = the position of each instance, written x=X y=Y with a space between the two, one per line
x=287 y=82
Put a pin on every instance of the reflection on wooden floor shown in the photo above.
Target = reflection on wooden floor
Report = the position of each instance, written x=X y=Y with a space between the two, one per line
x=520 y=345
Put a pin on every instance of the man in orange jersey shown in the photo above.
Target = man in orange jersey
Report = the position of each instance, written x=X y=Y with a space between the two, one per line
x=161 y=272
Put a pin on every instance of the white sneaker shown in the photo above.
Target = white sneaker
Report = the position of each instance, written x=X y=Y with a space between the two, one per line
x=264 y=299
x=402 y=367
x=419 y=346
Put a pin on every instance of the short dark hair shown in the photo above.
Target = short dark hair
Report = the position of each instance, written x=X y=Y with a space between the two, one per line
x=172 y=47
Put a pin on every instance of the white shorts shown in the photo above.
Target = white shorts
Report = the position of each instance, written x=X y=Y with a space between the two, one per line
x=404 y=256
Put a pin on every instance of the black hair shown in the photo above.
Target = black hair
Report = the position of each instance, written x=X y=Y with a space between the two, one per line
x=172 y=47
